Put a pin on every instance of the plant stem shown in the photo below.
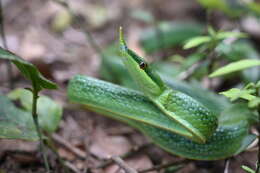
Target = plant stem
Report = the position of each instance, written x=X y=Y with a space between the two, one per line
x=123 y=165
x=36 y=122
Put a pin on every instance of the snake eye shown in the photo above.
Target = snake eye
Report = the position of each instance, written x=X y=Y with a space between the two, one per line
x=143 y=65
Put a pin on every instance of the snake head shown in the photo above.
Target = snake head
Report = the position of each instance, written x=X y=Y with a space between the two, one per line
x=183 y=109
x=146 y=78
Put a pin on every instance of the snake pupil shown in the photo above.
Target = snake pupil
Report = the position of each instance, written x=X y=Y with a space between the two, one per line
x=142 y=65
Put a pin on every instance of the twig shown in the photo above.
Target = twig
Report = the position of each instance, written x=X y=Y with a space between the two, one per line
x=38 y=129
x=227 y=163
x=123 y=165
x=87 y=143
x=51 y=145
x=81 y=154
x=2 y=32
x=163 y=166
x=72 y=167
x=126 y=155
x=186 y=74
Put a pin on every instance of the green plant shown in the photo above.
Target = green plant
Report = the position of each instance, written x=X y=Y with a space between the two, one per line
x=250 y=93
x=236 y=66
x=212 y=47
x=38 y=82
x=173 y=124
x=211 y=40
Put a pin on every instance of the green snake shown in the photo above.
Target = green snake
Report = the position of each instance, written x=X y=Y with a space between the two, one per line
x=171 y=119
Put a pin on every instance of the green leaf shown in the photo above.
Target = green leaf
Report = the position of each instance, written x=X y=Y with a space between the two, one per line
x=224 y=35
x=254 y=103
x=28 y=70
x=196 y=41
x=15 y=123
x=241 y=49
x=236 y=93
x=235 y=66
x=247 y=169
x=49 y=111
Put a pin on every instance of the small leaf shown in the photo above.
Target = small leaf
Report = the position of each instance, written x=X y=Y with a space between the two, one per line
x=15 y=123
x=247 y=169
x=224 y=35
x=49 y=111
x=196 y=41
x=236 y=93
x=28 y=70
x=254 y=103
x=235 y=66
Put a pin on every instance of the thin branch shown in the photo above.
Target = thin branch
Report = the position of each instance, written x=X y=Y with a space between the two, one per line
x=163 y=166
x=126 y=155
x=186 y=74
x=52 y=147
x=123 y=165
x=72 y=167
x=227 y=163
x=210 y=58
x=81 y=154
